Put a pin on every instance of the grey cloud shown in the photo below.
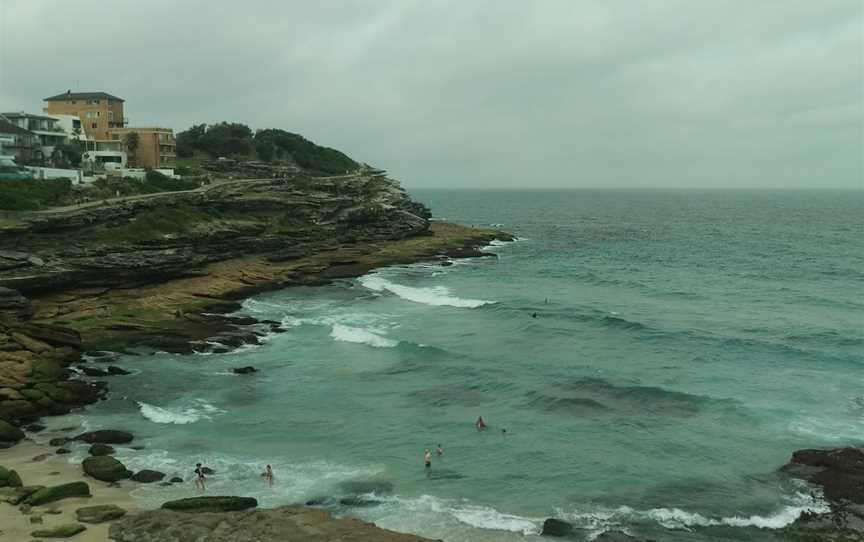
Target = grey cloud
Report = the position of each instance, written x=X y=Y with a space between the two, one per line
x=483 y=93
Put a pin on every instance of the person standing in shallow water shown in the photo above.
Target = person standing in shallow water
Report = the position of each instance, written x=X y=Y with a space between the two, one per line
x=427 y=459
x=199 y=477
x=268 y=475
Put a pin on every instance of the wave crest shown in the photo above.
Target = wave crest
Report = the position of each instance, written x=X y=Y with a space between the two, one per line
x=350 y=334
x=435 y=295
x=179 y=416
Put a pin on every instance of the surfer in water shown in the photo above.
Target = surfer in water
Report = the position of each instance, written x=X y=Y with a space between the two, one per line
x=480 y=424
x=439 y=450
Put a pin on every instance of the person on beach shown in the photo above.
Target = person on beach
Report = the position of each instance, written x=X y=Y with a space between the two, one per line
x=427 y=459
x=480 y=424
x=439 y=450
x=199 y=477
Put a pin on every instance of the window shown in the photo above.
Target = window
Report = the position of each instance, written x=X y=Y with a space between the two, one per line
x=98 y=114
x=110 y=115
x=94 y=125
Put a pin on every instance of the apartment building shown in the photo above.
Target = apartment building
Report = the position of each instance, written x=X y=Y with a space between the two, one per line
x=99 y=111
x=157 y=148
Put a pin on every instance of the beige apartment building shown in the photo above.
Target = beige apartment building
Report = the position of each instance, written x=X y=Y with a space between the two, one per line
x=99 y=111
x=157 y=148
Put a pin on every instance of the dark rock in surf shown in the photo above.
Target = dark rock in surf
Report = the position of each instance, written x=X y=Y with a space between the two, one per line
x=147 y=476
x=101 y=449
x=556 y=527
x=113 y=370
x=63 y=451
x=244 y=370
x=106 y=436
x=105 y=468
x=92 y=371
x=840 y=472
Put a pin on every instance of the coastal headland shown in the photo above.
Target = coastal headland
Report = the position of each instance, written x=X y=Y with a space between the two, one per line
x=164 y=271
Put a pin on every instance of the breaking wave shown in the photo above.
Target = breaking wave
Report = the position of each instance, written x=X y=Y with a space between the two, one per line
x=362 y=336
x=180 y=416
x=434 y=295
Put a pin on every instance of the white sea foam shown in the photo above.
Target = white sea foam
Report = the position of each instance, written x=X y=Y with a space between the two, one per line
x=181 y=416
x=488 y=518
x=434 y=295
x=358 y=335
x=675 y=518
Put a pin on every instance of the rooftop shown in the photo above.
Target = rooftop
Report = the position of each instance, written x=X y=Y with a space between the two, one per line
x=19 y=114
x=69 y=95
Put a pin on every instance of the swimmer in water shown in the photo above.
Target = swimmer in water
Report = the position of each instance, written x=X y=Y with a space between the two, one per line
x=439 y=450
x=427 y=459
x=480 y=424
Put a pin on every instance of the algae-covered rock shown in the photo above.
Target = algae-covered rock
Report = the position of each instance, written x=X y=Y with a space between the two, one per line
x=211 y=504
x=106 y=436
x=99 y=514
x=556 y=527
x=105 y=468
x=4 y=475
x=56 y=493
x=14 y=479
x=61 y=531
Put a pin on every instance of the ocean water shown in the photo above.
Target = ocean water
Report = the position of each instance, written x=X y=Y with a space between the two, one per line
x=684 y=344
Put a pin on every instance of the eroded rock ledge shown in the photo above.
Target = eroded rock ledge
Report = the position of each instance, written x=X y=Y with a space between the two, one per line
x=296 y=524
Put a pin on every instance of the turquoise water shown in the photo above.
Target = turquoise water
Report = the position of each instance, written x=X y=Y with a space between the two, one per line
x=685 y=344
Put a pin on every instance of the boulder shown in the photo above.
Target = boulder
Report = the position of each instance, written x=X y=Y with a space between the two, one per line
x=55 y=493
x=20 y=494
x=14 y=479
x=63 y=451
x=35 y=427
x=146 y=476
x=211 y=504
x=59 y=441
x=4 y=476
x=105 y=468
x=101 y=449
x=840 y=472
x=115 y=371
x=556 y=527
x=61 y=531
x=176 y=480
x=99 y=514
x=93 y=371
x=244 y=370
x=9 y=432
x=106 y=436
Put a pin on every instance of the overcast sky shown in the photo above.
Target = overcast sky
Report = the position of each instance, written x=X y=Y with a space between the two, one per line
x=481 y=93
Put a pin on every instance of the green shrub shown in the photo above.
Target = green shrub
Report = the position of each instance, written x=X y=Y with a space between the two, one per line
x=31 y=194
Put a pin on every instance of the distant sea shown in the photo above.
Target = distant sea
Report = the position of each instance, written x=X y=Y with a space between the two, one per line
x=684 y=344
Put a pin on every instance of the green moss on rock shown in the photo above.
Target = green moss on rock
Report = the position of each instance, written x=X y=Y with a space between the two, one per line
x=56 y=493
x=61 y=531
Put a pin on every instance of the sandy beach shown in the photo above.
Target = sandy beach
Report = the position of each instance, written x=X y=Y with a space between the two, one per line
x=51 y=471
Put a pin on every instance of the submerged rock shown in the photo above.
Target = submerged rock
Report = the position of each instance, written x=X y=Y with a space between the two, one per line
x=211 y=504
x=99 y=514
x=105 y=468
x=244 y=370
x=117 y=371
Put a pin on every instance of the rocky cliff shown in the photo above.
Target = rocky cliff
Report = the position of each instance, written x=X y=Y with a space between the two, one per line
x=159 y=270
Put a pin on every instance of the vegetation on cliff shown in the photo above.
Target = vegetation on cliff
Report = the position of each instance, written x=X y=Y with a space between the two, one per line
x=237 y=140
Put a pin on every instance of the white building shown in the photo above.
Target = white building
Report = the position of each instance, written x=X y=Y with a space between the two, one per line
x=47 y=129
